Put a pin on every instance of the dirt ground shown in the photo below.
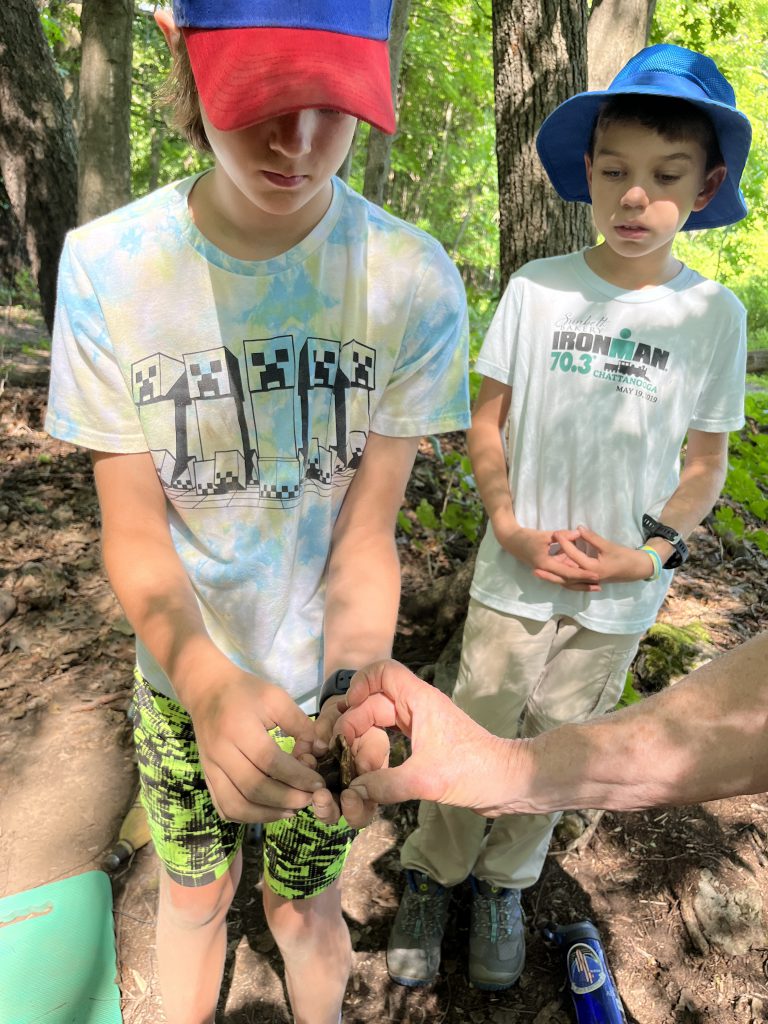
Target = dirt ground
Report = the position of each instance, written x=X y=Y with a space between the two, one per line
x=679 y=894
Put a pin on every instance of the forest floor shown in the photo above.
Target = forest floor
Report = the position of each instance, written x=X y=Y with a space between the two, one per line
x=679 y=894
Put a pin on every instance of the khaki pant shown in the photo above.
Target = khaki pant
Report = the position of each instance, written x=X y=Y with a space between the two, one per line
x=517 y=677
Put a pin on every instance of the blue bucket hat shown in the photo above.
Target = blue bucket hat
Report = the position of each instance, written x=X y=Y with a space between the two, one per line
x=662 y=70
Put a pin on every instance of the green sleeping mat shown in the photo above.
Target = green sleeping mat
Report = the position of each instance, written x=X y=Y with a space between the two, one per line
x=57 y=954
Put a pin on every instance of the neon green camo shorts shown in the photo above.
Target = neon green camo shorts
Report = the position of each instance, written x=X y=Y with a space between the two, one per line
x=302 y=856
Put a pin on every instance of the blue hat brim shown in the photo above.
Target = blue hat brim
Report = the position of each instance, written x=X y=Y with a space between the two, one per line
x=565 y=135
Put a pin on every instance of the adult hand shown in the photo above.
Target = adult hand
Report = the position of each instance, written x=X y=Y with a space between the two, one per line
x=454 y=760
x=543 y=551
x=370 y=753
x=610 y=562
x=249 y=778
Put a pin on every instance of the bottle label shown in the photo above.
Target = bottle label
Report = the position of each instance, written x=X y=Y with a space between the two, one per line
x=586 y=972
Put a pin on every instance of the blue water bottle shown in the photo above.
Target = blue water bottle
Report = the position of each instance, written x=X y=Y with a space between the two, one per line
x=590 y=982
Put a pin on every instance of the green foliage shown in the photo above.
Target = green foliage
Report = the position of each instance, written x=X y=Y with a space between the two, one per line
x=735 y=35
x=61 y=23
x=426 y=516
x=443 y=159
x=21 y=290
x=452 y=510
x=746 y=484
x=482 y=306
x=728 y=522
x=462 y=509
x=158 y=154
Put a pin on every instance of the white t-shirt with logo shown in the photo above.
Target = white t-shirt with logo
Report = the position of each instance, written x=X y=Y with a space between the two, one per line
x=605 y=384
x=254 y=385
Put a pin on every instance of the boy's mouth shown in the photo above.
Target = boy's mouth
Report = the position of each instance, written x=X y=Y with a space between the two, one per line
x=631 y=230
x=284 y=180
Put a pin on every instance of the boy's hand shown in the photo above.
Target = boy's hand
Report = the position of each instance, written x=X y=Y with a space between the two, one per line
x=610 y=562
x=370 y=753
x=249 y=778
x=544 y=553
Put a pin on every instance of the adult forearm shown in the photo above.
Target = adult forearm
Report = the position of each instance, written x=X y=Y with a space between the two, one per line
x=704 y=738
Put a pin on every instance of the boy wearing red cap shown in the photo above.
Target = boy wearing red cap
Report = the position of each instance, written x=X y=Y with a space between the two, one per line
x=598 y=366
x=252 y=354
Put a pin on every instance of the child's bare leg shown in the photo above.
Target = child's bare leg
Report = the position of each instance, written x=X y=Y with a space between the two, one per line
x=192 y=945
x=317 y=952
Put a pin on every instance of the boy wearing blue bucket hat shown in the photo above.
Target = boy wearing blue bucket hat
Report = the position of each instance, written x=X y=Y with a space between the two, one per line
x=252 y=355
x=599 y=365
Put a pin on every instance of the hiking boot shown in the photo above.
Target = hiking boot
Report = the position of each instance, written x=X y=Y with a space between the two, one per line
x=413 y=951
x=496 y=937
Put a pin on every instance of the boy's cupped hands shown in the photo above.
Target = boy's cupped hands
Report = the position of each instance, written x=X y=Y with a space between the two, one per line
x=249 y=777
x=544 y=552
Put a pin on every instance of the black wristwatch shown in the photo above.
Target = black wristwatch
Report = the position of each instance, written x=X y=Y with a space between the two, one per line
x=336 y=685
x=653 y=528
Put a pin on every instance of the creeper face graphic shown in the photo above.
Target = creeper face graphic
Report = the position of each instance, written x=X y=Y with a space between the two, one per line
x=270 y=363
x=211 y=374
x=144 y=383
x=155 y=377
x=358 y=363
x=323 y=362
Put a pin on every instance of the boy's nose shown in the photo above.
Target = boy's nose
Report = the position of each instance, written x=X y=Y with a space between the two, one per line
x=292 y=133
x=635 y=196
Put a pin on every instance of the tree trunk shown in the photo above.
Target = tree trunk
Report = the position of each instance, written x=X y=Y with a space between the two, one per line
x=540 y=59
x=380 y=145
x=13 y=252
x=617 y=30
x=104 y=114
x=38 y=158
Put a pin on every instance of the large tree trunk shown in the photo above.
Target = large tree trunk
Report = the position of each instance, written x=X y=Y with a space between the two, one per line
x=13 y=252
x=104 y=114
x=380 y=145
x=540 y=59
x=617 y=30
x=38 y=158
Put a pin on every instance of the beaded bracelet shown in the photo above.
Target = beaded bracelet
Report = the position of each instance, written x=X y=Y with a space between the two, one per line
x=656 y=559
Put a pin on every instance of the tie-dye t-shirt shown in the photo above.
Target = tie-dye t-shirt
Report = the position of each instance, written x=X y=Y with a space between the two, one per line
x=254 y=385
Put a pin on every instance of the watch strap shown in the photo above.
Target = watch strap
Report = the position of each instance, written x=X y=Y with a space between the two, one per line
x=653 y=528
x=336 y=685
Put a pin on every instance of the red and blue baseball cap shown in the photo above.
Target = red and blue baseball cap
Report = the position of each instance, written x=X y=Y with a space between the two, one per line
x=662 y=70
x=256 y=59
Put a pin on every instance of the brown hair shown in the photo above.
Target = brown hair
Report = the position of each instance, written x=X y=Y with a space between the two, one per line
x=671 y=117
x=179 y=92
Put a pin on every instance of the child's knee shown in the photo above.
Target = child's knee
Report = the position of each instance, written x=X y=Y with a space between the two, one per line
x=300 y=927
x=192 y=907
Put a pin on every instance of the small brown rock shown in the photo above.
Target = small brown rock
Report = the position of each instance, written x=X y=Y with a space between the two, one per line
x=337 y=766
